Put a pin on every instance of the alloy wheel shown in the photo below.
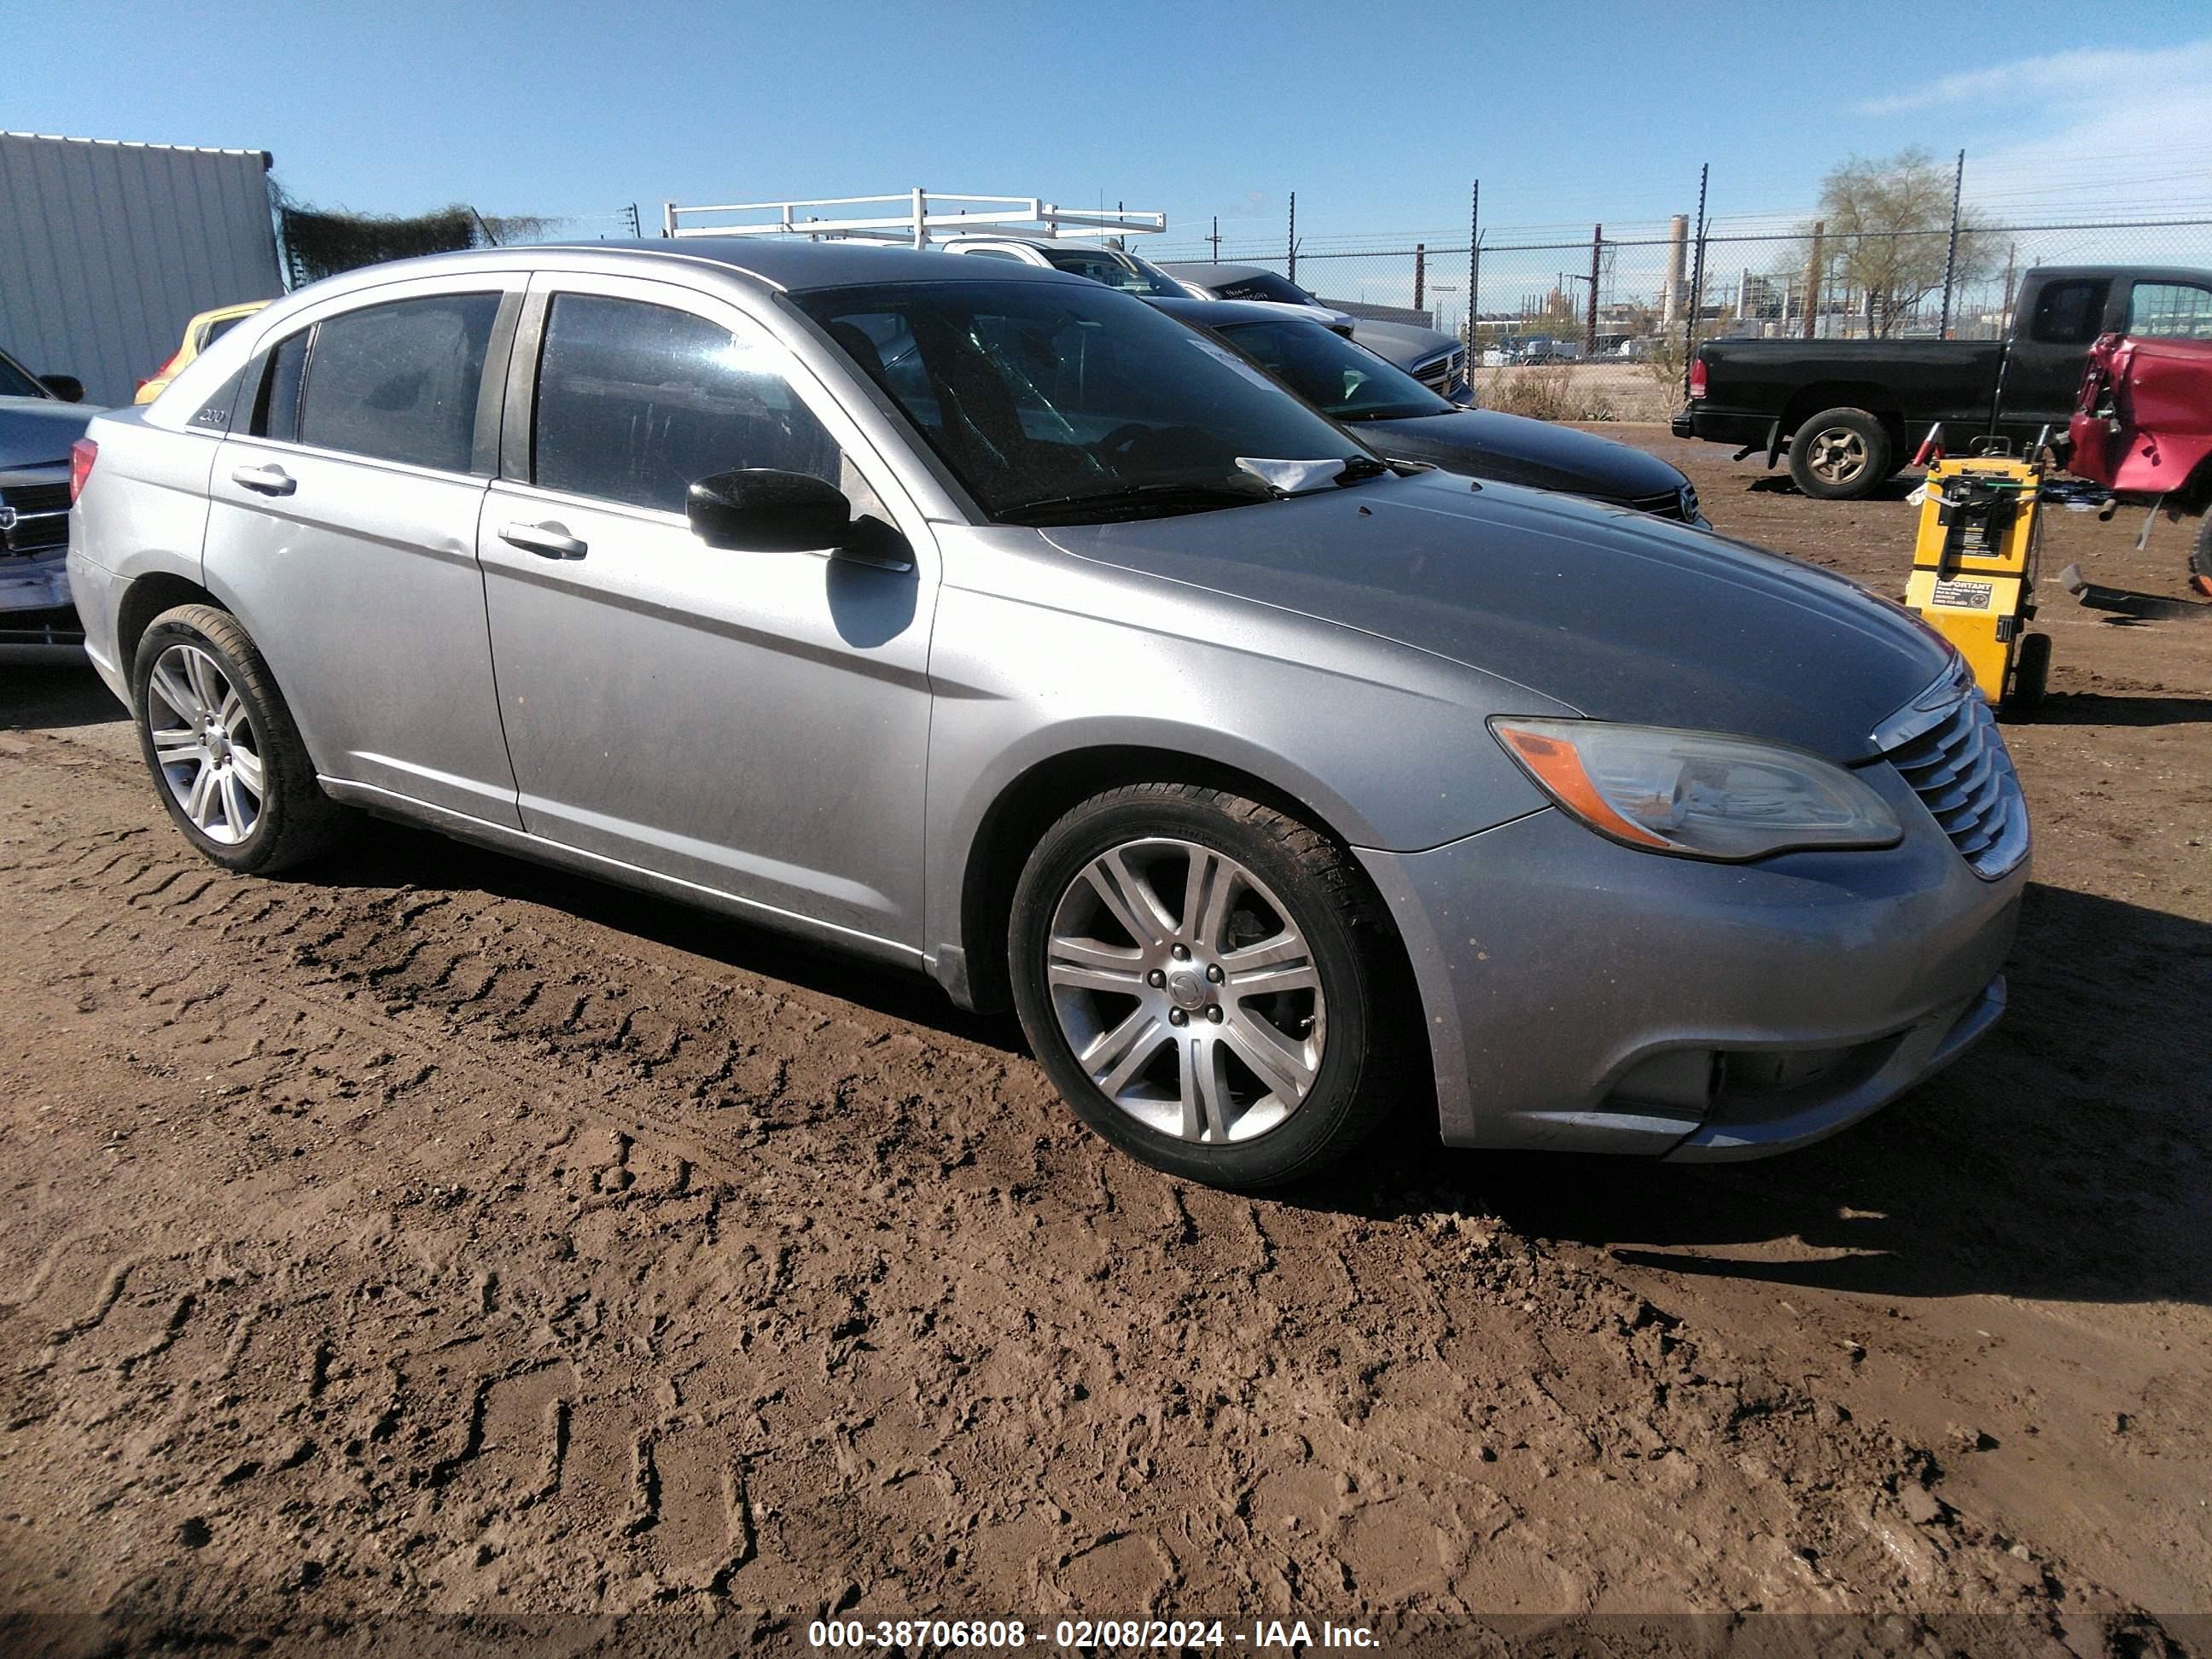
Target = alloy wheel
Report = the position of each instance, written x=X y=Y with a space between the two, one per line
x=204 y=744
x=1187 y=991
x=1840 y=455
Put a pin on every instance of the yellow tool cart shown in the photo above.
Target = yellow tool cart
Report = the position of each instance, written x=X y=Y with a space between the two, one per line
x=1974 y=567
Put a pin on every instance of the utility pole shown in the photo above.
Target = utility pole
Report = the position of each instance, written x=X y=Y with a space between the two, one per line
x=2012 y=254
x=1473 y=274
x=1215 y=239
x=1590 y=318
x=630 y=213
x=1697 y=284
x=1420 y=275
x=1292 y=260
x=1951 y=255
x=1813 y=278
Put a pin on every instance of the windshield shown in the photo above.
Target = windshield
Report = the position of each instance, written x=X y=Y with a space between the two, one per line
x=17 y=381
x=1116 y=269
x=1335 y=376
x=1059 y=403
x=1264 y=285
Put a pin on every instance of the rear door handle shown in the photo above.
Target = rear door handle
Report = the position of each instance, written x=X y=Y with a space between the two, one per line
x=550 y=541
x=268 y=480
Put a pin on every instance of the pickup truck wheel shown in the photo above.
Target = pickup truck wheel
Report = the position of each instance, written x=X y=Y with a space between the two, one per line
x=1840 y=455
x=2200 y=560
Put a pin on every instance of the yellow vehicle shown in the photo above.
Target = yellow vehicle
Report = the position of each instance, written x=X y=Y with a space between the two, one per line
x=1973 y=570
x=203 y=331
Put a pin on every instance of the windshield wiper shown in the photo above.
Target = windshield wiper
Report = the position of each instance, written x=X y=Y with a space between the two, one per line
x=1135 y=499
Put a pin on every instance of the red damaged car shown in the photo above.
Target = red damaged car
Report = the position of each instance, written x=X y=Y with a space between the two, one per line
x=2143 y=425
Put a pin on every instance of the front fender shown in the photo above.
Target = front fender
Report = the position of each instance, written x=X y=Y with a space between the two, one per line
x=1383 y=745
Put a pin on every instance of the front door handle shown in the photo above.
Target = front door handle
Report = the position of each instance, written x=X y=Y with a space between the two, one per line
x=271 y=480
x=550 y=541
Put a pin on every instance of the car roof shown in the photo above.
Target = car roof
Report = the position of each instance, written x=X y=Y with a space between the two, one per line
x=1228 y=313
x=795 y=266
x=1203 y=273
x=792 y=266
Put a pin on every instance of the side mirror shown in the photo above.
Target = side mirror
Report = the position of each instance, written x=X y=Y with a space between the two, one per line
x=67 y=387
x=759 y=510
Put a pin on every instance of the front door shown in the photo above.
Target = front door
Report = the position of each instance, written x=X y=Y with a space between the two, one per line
x=343 y=530
x=752 y=723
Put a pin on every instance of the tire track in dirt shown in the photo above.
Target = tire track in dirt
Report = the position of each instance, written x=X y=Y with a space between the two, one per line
x=465 y=1254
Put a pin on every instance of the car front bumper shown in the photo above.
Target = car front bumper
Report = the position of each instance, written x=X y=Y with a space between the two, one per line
x=1580 y=995
x=36 y=616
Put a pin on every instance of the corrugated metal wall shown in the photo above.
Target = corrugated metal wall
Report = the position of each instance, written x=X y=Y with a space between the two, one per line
x=105 y=249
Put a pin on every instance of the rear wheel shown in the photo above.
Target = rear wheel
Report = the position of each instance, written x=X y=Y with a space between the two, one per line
x=1209 y=982
x=226 y=757
x=1840 y=454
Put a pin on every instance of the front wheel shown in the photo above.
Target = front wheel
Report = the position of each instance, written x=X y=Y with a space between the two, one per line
x=1211 y=983
x=226 y=757
x=1840 y=455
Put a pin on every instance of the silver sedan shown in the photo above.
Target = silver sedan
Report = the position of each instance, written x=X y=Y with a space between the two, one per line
x=983 y=621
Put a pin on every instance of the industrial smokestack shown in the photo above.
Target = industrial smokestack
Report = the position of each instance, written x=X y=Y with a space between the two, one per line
x=1678 y=244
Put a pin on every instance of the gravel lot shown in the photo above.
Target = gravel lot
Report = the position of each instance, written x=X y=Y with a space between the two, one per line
x=438 y=1234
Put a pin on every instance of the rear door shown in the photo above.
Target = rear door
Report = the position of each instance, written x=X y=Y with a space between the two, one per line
x=2050 y=342
x=753 y=723
x=343 y=530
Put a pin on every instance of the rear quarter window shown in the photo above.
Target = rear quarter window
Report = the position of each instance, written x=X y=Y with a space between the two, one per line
x=2069 y=313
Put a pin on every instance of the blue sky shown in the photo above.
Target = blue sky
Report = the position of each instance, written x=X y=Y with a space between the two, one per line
x=1377 y=115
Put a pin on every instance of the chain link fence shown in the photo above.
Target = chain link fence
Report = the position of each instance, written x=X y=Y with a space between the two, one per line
x=1633 y=301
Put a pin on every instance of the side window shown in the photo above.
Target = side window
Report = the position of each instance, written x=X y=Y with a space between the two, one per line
x=2069 y=313
x=2172 y=310
x=399 y=382
x=278 y=416
x=637 y=401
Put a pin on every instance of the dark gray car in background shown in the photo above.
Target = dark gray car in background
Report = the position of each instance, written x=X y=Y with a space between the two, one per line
x=1402 y=420
x=40 y=416
x=980 y=620
x=1434 y=358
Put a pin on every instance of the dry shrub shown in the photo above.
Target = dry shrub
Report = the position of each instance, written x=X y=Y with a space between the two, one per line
x=1549 y=394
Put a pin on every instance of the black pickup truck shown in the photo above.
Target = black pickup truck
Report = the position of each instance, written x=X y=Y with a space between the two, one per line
x=1849 y=413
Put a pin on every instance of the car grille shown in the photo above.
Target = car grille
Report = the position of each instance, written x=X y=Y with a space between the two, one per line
x=1678 y=503
x=1957 y=764
x=33 y=518
x=1440 y=374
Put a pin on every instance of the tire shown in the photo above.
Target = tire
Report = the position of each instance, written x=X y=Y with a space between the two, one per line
x=1098 y=923
x=199 y=683
x=2200 y=557
x=2031 y=672
x=1841 y=455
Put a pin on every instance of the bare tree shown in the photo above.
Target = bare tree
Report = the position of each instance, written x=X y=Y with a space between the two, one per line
x=1888 y=227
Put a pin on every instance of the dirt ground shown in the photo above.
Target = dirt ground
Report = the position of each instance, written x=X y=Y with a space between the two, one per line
x=437 y=1234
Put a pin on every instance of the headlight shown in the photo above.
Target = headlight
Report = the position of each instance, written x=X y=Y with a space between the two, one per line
x=1697 y=794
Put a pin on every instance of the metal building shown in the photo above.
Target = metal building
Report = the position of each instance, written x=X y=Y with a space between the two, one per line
x=108 y=248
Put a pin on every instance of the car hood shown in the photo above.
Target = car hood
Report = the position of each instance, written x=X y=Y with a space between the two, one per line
x=1514 y=449
x=1402 y=344
x=38 y=431
x=1620 y=615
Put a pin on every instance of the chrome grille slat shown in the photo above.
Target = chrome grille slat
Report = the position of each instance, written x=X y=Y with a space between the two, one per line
x=1955 y=761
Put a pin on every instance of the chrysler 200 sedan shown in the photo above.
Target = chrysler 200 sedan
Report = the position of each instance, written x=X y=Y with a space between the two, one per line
x=982 y=620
